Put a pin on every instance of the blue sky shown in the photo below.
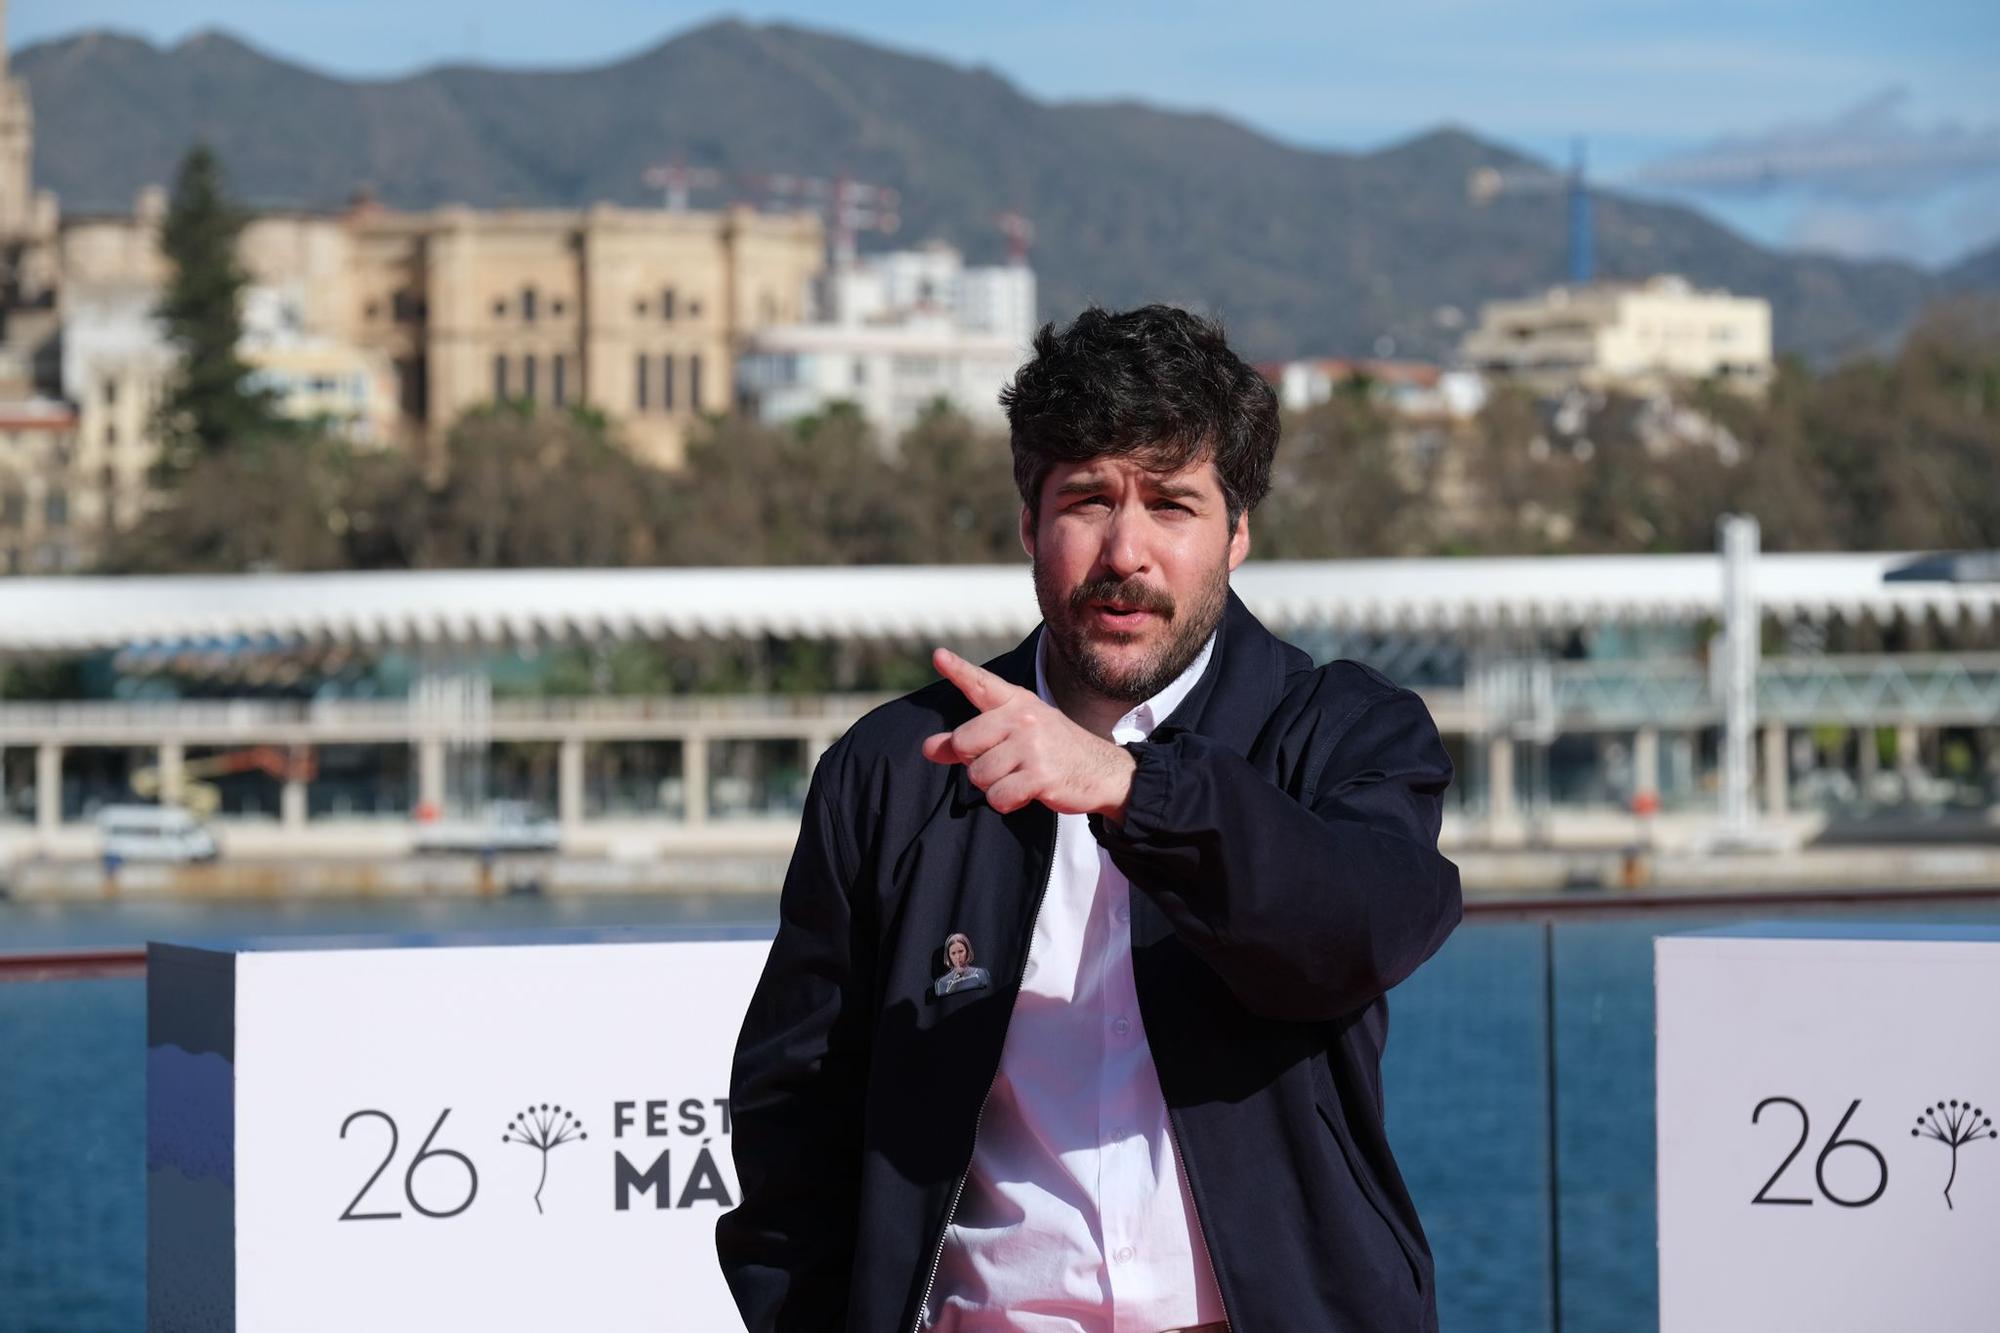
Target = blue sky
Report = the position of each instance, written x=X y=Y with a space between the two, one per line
x=1644 y=81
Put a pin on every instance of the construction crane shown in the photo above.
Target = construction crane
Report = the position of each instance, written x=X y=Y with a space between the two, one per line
x=285 y=763
x=1486 y=184
x=1020 y=233
x=677 y=178
x=850 y=206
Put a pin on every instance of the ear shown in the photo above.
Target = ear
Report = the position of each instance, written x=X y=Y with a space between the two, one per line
x=1028 y=531
x=1239 y=540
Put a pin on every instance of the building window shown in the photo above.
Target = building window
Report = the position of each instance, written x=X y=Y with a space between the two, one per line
x=412 y=388
x=528 y=376
x=694 y=382
x=639 y=307
x=13 y=508
x=556 y=306
x=667 y=303
x=110 y=434
x=640 y=364
x=558 y=378
x=667 y=382
x=408 y=307
x=55 y=509
x=528 y=304
x=111 y=393
x=372 y=310
x=500 y=379
x=500 y=309
x=694 y=309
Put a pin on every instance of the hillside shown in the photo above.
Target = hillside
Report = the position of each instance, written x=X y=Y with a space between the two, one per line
x=1302 y=251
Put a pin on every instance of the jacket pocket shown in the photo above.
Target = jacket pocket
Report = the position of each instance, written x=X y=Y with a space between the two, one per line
x=1326 y=1103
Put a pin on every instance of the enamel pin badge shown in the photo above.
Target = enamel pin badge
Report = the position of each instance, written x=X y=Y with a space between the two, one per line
x=960 y=974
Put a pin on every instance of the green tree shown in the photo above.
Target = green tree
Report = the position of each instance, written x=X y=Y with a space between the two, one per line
x=305 y=503
x=210 y=406
x=1341 y=484
x=524 y=487
x=954 y=484
x=818 y=492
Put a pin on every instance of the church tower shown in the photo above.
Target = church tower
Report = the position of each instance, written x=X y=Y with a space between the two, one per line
x=17 y=150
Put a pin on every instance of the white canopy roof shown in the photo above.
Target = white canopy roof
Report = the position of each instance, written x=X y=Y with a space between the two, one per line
x=902 y=602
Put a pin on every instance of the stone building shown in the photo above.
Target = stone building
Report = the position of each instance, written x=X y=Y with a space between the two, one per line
x=1639 y=337
x=41 y=530
x=639 y=313
x=386 y=325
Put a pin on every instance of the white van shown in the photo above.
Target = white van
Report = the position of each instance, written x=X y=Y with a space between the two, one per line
x=504 y=826
x=153 y=833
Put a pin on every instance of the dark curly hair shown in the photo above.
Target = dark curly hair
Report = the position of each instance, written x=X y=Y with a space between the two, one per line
x=1158 y=383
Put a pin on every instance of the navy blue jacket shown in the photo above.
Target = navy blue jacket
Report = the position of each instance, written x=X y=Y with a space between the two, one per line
x=1282 y=836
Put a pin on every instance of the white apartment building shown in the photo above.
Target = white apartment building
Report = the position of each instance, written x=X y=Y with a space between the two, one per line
x=1641 y=337
x=896 y=333
x=1409 y=388
x=312 y=377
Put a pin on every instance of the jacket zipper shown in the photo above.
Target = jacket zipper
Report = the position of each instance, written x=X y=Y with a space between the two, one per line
x=951 y=1211
x=1200 y=1223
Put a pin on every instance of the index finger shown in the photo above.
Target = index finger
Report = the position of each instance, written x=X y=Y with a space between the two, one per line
x=976 y=683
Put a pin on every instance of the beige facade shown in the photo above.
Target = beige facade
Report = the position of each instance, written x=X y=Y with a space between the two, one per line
x=335 y=386
x=388 y=325
x=43 y=530
x=24 y=214
x=1634 y=336
x=638 y=313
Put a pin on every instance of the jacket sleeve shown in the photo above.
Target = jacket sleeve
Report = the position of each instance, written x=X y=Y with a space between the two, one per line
x=796 y=1086
x=1307 y=909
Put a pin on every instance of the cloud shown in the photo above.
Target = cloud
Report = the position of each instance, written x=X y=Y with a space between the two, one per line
x=1870 y=150
x=1858 y=232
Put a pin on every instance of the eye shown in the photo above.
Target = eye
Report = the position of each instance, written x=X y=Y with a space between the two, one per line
x=1172 y=504
x=1090 y=500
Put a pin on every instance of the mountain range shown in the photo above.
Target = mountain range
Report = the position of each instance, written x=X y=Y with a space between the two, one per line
x=1302 y=251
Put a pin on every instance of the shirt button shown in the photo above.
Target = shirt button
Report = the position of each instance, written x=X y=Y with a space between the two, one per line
x=1124 y=1255
x=1121 y=1026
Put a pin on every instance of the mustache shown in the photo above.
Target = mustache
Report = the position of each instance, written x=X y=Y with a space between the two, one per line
x=1125 y=592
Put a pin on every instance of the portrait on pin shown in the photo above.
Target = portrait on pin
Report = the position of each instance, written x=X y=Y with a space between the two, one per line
x=960 y=974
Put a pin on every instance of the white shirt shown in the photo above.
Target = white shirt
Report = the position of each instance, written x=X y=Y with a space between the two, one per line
x=1075 y=1216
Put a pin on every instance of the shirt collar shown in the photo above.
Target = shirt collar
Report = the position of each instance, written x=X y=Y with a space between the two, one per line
x=1143 y=717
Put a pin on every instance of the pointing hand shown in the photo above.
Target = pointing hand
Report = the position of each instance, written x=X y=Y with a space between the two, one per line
x=1019 y=749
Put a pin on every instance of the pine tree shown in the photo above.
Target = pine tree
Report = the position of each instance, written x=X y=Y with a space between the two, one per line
x=210 y=407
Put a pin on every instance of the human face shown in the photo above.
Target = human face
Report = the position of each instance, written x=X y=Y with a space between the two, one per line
x=1131 y=569
x=955 y=953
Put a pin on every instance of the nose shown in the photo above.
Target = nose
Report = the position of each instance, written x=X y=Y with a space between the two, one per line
x=1124 y=552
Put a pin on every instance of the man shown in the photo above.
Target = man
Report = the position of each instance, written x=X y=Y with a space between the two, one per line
x=1192 y=864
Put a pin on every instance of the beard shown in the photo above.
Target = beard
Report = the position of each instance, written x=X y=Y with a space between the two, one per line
x=1187 y=629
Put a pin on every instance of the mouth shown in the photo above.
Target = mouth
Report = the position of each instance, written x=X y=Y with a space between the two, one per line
x=1120 y=616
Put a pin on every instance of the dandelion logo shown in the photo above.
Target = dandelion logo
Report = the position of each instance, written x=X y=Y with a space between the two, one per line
x=543 y=1128
x=1954 y=1124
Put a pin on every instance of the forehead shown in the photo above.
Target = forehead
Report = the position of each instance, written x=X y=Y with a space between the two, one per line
x=1135 y=470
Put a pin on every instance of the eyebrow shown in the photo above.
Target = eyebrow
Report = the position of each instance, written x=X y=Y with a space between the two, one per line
x=1086 y=484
